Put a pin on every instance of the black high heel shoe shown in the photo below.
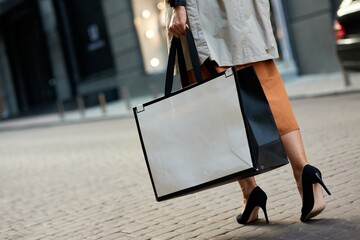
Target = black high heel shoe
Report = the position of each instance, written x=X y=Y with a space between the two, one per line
x=310 y=175
x=257 y=198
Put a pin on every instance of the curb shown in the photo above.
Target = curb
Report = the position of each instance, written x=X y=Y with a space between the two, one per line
x=324 y=94
x=63 y=122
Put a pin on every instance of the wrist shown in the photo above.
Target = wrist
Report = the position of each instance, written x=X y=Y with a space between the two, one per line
x=177 y=3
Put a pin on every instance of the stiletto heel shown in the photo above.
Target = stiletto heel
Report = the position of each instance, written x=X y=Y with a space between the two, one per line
x=310 y=175
x=265 y=213
x=319 y=180
x=257 y=198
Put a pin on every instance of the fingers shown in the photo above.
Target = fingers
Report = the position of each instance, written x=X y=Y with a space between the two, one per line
x=177 y=29
x=178 y=21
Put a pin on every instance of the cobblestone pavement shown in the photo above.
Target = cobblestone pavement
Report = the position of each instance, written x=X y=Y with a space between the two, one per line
x=89 y=181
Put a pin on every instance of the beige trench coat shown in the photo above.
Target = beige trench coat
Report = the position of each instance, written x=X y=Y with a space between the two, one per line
x=231 y=32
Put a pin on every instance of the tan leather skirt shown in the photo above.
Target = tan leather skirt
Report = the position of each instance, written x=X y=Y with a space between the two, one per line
x=274 y=90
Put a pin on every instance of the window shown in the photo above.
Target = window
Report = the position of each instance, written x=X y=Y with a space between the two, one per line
x=150 y=26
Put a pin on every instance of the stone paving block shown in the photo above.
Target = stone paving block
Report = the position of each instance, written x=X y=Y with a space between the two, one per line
x=213 y=233
x=162 y=230
x=132 y=227
x=189 y=235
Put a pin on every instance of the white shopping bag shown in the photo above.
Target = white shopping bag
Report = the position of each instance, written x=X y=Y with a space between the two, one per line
x=194 y=137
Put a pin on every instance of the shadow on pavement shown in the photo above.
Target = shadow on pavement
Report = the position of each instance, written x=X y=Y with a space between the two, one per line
x=315 y=229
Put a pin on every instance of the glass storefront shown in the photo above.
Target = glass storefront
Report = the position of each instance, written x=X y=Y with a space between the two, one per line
x=149 y=20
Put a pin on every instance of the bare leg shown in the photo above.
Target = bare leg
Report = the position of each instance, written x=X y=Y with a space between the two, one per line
x=294 y=148
x=247 y=185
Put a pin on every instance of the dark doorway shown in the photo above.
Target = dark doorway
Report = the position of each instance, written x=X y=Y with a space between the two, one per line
x=85 y=39
x=28 y=56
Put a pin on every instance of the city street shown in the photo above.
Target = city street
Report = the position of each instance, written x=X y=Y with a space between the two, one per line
x=89 y=181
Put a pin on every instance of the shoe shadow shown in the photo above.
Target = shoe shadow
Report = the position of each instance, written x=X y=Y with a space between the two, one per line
x=334 y=229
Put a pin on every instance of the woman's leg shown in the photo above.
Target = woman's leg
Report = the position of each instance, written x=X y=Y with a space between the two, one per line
x=247 y=185
x=294 y=149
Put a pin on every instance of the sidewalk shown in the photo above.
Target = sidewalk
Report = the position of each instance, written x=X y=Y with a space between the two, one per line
x=90 y=181
x=298 y=87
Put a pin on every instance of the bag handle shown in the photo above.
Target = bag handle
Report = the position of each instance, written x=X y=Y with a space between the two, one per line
x=177 y=50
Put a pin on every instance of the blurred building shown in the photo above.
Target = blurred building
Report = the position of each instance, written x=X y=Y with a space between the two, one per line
x=59 y=50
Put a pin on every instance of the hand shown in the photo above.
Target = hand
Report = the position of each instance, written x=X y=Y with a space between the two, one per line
x=178 y=21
